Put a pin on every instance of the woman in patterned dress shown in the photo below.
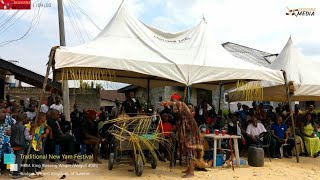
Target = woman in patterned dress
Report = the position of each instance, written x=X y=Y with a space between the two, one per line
x=187 y=131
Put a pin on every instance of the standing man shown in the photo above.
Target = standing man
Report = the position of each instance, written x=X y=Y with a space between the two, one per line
x=44 y=108
x=312 y=112
x=271 y=114
x=57 y=106
x=76 y=119
x=116 y=111
x=52 y=98
x=131 y=105
x=243 y=116
x=262 y=115
x=239 y=107
x=31 y=113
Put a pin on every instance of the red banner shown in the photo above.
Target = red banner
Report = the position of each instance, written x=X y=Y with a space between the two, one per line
x=15 y=4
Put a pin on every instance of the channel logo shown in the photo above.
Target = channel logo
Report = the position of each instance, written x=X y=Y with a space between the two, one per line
x=9 y=160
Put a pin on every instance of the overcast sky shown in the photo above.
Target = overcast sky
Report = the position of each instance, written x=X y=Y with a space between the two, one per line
x=260 y=24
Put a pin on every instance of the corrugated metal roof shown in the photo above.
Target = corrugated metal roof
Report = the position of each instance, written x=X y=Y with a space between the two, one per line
x=251 y=55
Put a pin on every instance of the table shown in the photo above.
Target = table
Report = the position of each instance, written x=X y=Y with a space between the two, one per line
x=217 y=141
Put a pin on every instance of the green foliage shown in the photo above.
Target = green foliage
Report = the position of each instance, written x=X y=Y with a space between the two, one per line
x=99 y=86
x=92 y=85
x=84 y=85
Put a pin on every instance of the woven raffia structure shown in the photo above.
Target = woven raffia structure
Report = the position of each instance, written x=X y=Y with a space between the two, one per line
x=138 y=134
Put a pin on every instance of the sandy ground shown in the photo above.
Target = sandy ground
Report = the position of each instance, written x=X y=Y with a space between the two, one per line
x=308 y=168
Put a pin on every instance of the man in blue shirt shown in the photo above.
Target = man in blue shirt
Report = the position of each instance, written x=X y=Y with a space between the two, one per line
x=281 y=135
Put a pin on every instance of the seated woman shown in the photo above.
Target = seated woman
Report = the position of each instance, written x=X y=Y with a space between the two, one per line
x=311 y=140
x=90 y=134
x=300 y=144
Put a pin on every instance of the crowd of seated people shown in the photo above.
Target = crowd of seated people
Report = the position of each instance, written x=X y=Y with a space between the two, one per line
x=254 y=123
x=89 y=128
x=47 y=133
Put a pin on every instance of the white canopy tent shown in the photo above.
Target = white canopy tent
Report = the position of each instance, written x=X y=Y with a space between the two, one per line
x=142 y=55
x=301 y=71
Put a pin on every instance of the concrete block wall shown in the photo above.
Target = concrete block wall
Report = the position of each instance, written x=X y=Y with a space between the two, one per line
x=89 y=98
x=85 y=98
x=24 y=93
x=156 y=97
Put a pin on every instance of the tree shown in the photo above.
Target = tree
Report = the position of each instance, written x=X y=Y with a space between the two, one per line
x=84 y=85
x=99 y=86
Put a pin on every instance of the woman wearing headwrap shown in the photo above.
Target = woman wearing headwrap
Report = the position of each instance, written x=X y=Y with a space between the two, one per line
x=187 y=131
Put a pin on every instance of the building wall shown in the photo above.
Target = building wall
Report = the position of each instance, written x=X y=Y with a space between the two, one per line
x=107 y=103
x=84 y=98
x=89 y=98
x=156 y=97
x=194 y=96
x=24 y=93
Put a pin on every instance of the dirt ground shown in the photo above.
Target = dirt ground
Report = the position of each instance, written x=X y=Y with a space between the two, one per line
x=308 y=168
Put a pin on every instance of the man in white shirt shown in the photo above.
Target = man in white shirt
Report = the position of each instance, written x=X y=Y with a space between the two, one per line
x=57 y=106
x=255 y=129
x=239 y=105
x=44 y=107
x=31 y=113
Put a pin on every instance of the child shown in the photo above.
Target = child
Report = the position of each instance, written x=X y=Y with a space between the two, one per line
x=166 y=129
x=19 y=136
x=165 y=126
x=36 y=144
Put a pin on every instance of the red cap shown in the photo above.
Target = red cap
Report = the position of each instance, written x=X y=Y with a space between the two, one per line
x=176 y=96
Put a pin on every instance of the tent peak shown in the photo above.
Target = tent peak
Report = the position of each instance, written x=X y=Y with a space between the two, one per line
x=204 y=19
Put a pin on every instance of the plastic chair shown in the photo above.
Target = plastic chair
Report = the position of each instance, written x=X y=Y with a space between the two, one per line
x=281 y=149
x=265 y=141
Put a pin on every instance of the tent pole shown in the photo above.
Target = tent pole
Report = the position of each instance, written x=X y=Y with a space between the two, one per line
x=189 y=98
x=229 y=104
x=65 y=85
x=291 y=115
x=148 y=95
x=43 y=91
x=220 y=94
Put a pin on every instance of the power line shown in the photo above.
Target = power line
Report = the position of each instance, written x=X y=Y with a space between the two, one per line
x=7 y=21
x=4 y=30
x=74 y=25
x=76 y=14
x=88 y=17
x=71 y=16
x=4 y=14
x=25 y=35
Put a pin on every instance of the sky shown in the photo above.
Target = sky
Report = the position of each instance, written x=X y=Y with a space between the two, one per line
x=260 y=24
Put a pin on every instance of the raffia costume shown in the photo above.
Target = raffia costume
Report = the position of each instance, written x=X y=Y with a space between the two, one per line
x=189 y=139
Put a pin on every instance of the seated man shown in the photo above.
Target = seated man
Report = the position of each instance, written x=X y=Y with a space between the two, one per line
x=254 y=130
x=64 y=141
x=91 y=134
x=281 y=135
